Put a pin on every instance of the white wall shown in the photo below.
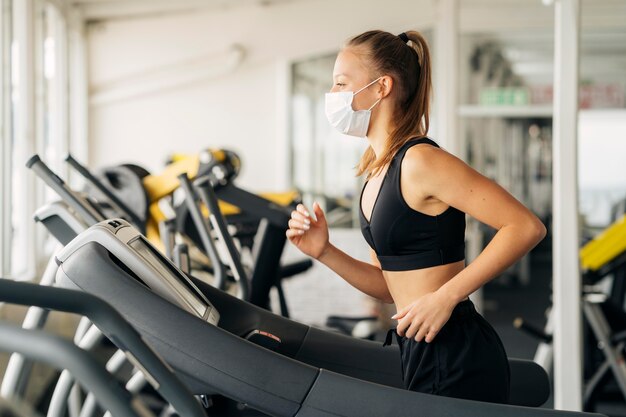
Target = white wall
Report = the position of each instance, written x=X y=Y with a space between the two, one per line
x=244 y=110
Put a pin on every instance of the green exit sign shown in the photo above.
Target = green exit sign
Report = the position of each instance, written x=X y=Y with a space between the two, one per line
x=504 y=96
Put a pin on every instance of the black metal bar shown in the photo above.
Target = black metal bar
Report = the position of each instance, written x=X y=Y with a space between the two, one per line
x=256 y=206
x=114 y=326
x=62 y=354
x=77 y=202
x=219 y=272
x=208 y=197
x=534 y=331
x=118 y=204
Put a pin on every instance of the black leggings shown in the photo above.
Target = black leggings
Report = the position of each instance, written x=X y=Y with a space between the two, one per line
x=466 y=359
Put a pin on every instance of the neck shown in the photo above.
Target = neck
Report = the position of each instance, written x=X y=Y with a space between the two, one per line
x=377 y=137
x=380 y=128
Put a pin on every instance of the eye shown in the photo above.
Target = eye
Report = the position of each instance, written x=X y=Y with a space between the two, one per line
x=340 y=84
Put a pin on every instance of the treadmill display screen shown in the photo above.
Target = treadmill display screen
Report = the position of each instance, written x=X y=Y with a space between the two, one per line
x=179 y=283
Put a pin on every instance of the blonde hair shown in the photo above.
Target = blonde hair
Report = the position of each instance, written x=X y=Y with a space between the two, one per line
x=408 y=64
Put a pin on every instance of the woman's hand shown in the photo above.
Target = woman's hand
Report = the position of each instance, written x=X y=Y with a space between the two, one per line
x=308 y=234
x=423 y=318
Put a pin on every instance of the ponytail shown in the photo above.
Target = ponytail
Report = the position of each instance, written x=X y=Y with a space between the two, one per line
x=406 y=59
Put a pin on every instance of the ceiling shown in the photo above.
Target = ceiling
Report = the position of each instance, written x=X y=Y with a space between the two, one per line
x=95 y=10
x=594 y=12
x=524 y=28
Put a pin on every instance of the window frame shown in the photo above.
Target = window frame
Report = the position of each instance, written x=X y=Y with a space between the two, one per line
x=5 y=135
x=35 y=118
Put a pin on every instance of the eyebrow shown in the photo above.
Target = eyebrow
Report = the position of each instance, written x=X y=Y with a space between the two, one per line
x=339 y=75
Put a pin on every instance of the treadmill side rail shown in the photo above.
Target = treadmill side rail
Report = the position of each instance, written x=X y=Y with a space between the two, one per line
x=336 y=395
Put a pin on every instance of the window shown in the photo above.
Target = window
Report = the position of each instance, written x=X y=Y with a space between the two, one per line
x=34 y=114
x=323 y=160
x=507 y=112
x=602 y=117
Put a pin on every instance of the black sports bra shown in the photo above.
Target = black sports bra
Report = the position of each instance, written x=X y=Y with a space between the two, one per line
x=403 y=238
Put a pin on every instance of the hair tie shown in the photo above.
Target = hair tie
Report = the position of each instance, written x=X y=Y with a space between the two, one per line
x=405 y=39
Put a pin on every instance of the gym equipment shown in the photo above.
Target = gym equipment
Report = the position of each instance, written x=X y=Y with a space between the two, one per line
x=18 y=369
x=85 y=208
x=112 y=324
x=364 y=327
x=318 y=347
x=117 y=234
x=260 y=220
x=142 y=190
x=321 y=341
x=219 y=272
x=59 y=353
x=235 y=267
x=64 y=225
x=58 y=218
x=218 y=360
x=116 y=203
x=61 y=219
x=269 y=219
x=604 y=314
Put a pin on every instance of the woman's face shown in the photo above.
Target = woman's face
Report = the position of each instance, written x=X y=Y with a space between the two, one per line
x=351 y=74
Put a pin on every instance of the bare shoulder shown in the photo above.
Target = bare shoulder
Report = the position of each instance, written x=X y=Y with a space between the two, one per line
x=431 y=171
x=423 y=160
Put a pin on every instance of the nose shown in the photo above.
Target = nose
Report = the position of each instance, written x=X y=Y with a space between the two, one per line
x=334 y=88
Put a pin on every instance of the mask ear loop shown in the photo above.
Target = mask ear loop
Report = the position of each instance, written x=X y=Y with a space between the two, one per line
x=377 y=101
x=372 y=106
x=367 y=85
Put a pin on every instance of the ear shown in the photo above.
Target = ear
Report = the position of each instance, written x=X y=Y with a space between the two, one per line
x=386 y=85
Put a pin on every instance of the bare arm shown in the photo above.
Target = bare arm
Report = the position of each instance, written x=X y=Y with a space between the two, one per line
x=363 y=276
x=448 y=179
x=310 y=235
x=437 y=177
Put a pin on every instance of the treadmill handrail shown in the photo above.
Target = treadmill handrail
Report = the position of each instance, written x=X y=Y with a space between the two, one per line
x=219 y=272
x=115 y=327
x=208 y=197
x=63 y=354
x=255 y=205
x=115 y=201
x=81 y=206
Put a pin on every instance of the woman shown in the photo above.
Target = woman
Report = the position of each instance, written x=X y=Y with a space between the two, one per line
x=413 y=208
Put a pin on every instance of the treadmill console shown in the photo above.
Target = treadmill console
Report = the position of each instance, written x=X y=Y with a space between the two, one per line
x=149 y=266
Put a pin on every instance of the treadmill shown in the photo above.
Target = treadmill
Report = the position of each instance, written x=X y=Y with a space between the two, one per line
x=219 y=344
x=63 y=354
x=270 y=220
x=345 y=355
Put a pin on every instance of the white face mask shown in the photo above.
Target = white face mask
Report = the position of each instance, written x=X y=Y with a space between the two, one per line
x=345 y=119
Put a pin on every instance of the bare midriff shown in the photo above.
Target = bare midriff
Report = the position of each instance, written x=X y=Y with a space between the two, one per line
x=407 y=286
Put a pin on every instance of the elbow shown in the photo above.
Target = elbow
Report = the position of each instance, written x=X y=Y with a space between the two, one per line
x=537 y=231
x=388 y=300
x=384 y=296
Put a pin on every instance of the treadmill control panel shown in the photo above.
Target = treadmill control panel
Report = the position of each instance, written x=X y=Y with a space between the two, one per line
x=150 y=266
